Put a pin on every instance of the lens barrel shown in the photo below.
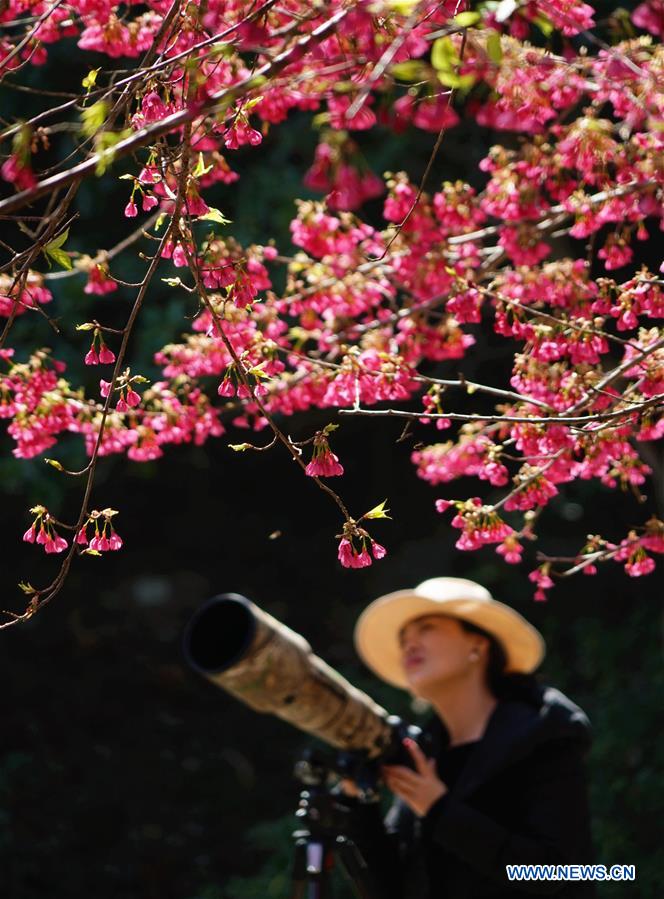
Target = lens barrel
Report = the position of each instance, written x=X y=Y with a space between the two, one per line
x=269 y=667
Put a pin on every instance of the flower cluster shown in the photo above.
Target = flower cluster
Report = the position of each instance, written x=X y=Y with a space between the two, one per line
x=105 y=537
x=324 y=463
x=357 y=315
x=42 y=531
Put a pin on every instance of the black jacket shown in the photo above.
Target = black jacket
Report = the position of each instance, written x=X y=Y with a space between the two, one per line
x=521 y=798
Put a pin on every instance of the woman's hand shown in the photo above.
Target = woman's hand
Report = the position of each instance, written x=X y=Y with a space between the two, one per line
x=349 y=788
x=419 y=789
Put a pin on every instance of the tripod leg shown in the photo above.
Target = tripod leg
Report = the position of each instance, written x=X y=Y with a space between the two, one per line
x=299 y=875
x=356 y=870
x=319 y=866
x=311 y=868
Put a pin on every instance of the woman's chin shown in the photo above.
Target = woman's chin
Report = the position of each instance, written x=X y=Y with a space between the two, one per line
x=420 y=685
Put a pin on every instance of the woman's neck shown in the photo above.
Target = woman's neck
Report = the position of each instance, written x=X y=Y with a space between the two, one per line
x=465 y=708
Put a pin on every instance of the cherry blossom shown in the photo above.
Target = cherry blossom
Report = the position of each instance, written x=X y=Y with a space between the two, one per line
x=363 y=308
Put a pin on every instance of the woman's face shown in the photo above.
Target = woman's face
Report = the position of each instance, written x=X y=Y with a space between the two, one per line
x=436 y=650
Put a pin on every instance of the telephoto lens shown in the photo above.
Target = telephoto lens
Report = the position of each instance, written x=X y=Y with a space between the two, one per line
x=271 y=668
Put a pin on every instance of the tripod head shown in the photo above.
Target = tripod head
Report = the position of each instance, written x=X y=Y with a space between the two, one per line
x=321 y=768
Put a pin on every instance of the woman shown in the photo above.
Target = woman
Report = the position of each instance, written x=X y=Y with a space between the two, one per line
x=505 y=783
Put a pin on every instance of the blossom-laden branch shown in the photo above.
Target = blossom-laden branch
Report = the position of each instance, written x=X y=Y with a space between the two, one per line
x=369 y=318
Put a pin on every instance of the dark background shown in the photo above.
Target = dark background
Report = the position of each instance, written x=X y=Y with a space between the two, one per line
x=122 y=775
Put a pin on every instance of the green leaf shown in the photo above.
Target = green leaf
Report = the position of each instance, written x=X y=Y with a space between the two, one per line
x=28 y=589
x=201 y=169
x=58 y=241
x=90 y=79
x=221 y=50
x=328 y=429
x=54 y=463
x=451 y=79
x=403 y=7
x=545 y=25
x=172 y=282
x=410 y=70
x=105 y=145
x=378 y=511
x=214 y=215
x=87 y=326
x=239 y=447
x=60 y=257
x=494 y=47
x=53 y=251
x=258 y=372
x=94 y=117
x=466 y=19
x=443 y=55
x=254 y=101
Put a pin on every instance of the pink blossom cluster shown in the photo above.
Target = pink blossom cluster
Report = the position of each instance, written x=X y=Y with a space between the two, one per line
x=363 y=314
x=352 y=557
x=105 y=538
x=42 y=532
x=479 y=524
x=324 y=463
x=339 y=171
x=17 y=297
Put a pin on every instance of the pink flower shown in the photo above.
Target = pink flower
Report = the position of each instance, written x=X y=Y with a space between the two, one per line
x=339 y=104
x=106 y=356
x=537 y=493
x=226 y=388
x=442 y=505
x=104 y=388
x=98 y=281
x=131 y=210
x=435 y=113
x=149 y=202
x=55 y=544
x=350 y=558
x=91 y=357
x=18 y=173
x=540 y=577
x=153 y=107
x=615 y=253
x=649 y=15
x=379 y=552
x=82 y=536
x=324 y=464
x=640 y=565
x=30 y=534
x=133 y=398
x=346 y=553
x=511 y=551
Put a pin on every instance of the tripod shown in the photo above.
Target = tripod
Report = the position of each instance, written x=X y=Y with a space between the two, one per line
x=321 y=840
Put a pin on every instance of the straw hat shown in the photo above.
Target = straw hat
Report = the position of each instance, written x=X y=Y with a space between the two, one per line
x=378 y=627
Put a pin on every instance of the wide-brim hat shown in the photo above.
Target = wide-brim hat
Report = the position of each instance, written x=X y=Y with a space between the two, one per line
x=378 y=627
